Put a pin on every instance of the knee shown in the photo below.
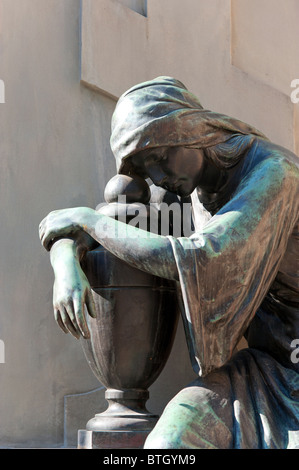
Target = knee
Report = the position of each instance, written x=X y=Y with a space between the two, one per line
x=197 y=418
x=158 y=441
x=167 y=434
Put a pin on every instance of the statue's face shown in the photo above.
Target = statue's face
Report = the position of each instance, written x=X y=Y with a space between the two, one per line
x=177 y=169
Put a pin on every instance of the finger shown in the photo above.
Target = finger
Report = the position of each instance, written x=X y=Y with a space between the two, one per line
x=89 y=301
x=42 y=224
x=59 y=321
x=46 y=241
x=70 y=310
x=43 y=239
x=41 y=230
x=42 y=227
x=68 y=324
x=80 y=316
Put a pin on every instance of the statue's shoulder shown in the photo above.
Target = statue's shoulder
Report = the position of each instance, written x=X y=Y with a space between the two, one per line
x=277 y=160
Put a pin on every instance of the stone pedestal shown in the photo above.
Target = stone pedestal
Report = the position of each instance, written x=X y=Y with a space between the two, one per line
x=124 y=425
x=111 y=439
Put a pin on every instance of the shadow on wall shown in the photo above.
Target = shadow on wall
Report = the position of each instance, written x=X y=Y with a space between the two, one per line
x=140 y=6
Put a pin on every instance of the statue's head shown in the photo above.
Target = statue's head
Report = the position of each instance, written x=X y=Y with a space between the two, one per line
x=154 y=119
x=176 y=169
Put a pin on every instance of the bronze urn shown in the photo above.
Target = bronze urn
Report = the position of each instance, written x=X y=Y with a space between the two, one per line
x=131 y=338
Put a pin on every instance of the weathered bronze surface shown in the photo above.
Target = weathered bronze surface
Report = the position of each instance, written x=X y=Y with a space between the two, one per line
x=237 y=274
x=135 y=189
x=130 y=340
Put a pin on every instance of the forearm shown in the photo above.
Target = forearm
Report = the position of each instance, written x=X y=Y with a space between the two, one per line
x=139 y=248
x=64 y=253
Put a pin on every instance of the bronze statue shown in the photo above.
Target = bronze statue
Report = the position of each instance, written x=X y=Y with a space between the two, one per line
x=237 y=274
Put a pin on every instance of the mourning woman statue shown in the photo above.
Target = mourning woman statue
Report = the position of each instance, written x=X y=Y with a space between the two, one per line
x=237 y=274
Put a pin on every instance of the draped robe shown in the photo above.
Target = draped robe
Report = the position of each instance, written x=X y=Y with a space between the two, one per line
x=238 y=275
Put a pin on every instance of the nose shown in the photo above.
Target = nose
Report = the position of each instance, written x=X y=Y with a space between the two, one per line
x=158 y=177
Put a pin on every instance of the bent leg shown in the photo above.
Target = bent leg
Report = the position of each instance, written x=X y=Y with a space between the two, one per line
x=198 y=417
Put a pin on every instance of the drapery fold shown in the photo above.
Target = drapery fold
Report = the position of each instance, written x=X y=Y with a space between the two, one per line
x=227 y=268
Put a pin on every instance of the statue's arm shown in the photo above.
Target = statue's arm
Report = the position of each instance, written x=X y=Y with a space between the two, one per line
x=144 y=250
x=139 y=248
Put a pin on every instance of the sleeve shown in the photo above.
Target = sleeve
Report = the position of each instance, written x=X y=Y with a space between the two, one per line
x=226 y=269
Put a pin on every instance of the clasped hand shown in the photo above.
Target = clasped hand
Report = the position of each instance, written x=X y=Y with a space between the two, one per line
x=62 y=223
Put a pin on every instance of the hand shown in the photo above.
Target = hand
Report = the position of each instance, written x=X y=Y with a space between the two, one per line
x=72 y=298
x=62 y=223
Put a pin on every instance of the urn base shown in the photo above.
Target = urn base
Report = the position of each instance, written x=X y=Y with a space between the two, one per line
x=124 y=425
x=111 y=439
